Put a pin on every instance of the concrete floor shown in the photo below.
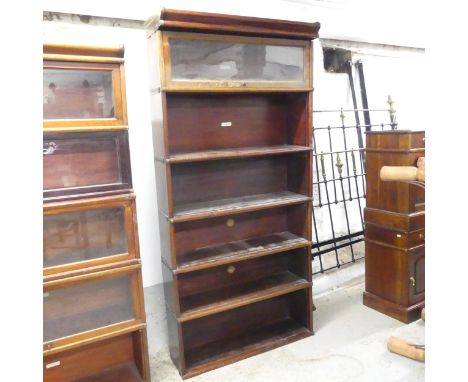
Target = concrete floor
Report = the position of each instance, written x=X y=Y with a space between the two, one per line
x=349 y=345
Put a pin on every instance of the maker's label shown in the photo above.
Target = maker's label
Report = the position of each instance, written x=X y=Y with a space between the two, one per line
x=226 y=124
x=52 y=364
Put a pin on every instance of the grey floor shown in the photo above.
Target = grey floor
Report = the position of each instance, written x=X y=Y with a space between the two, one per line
x=349 y=345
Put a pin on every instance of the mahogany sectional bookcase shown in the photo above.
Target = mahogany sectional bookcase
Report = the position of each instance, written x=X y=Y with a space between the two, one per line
x=231 y=101
x=94 y=315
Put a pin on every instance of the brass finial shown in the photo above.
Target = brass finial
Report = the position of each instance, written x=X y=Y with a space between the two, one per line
x=391 y=110
x=322 y=161
x=339 y=164
x=354 y=161
x=342 y=116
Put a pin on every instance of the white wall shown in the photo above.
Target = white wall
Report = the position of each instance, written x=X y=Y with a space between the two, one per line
x=388 y=70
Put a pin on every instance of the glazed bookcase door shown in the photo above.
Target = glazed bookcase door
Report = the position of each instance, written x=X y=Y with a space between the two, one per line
x=89 y=233
x=85 y=164
x=205 y=61
x=91 y=306
x=83 y=95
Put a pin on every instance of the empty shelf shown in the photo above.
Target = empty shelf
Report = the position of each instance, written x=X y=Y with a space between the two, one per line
x=215 y=255
x=223 y=299
x=236 y=153
x=223 y=352
x=201 y=210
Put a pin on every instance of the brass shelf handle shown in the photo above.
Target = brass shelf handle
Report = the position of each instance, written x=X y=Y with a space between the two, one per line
x=413 y=281
x=231 y=269
x=422 y=237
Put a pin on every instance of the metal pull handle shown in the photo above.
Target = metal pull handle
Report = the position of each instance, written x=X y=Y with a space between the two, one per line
x=422 y=237
x=230 y=222
x=231 y=269
x=413 y=281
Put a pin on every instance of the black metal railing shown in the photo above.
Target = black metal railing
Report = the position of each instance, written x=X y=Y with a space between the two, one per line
x=339 y=184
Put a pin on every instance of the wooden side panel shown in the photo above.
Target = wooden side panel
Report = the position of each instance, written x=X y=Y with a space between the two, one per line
x=387 y=272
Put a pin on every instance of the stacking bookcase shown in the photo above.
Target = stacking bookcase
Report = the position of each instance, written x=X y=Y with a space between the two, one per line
x=232 y=127
x=94 y=315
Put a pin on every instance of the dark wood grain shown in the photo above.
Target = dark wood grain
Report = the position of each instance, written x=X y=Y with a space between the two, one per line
x=394 y=228
x=233 y=167
x=256 y=120
x=171 y=19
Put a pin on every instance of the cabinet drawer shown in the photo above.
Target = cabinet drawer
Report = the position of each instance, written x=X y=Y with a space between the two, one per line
x=80 y=164
x=83 y=95
x=399 y=239
x=394 y=220
x=89 y=232
x=82 y=307
x=118 y=359
x=205 y=61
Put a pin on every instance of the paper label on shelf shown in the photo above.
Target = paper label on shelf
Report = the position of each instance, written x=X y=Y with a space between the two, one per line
x=52 y=364
x=226 y=124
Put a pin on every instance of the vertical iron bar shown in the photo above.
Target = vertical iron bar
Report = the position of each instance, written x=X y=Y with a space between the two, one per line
x=362 y=85
x=339 y=165
x=332 y=165
x=356 y=113
x=317 y=240
x=329 y=209
x=314 y=152
x=342 y=116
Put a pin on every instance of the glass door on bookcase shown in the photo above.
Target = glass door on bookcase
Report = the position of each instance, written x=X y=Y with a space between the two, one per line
x=85 y=163
x=91 y=305
x=83 y=94
x=89 y=233
x=204 y=61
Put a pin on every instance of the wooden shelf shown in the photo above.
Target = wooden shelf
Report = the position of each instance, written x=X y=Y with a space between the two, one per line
x=230 y=350
x=220 y=300
x=194 y=211
x=122 y=373
x=216 y=255
x=236 y=153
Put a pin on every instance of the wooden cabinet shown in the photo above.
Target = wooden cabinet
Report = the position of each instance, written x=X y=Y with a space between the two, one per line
x=94 y=317
x=394 y=228
x=232 y=128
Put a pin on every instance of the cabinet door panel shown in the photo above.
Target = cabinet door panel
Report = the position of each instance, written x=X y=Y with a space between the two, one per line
x=87 y=233
x=416 y=263
x=80 y=236
x=82 y=307
x=83 y=95
x=76 y=164
x=233 y=61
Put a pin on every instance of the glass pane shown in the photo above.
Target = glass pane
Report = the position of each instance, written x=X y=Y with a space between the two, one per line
x=215 y=60
x=77 y=94
x=87 y=306
x=78 y=162
x=84 y=235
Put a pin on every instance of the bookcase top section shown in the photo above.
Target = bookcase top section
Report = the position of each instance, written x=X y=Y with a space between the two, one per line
x=179 y=20
x=54 y=51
